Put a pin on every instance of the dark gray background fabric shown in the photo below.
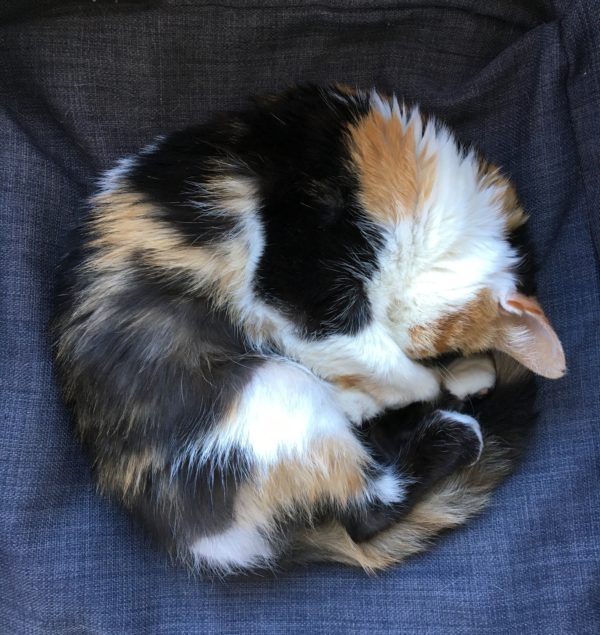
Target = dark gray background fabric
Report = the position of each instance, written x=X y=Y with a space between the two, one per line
x=83 y=82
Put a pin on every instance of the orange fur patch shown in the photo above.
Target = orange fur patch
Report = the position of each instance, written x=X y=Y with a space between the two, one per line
x=394 y=176
x=232 y=195
x=490 y=176
x=362 y=384
x=354 y=382
x=471 y=330
x=332 y=472
x=125 y=229
x=127 y=474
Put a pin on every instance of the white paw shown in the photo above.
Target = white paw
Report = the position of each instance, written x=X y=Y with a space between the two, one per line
x=425 y=385
x=470 y=376
x=357 y=406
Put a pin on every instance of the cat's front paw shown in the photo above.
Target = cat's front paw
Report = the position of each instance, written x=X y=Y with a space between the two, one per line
x=474 y=375
x=425 y=385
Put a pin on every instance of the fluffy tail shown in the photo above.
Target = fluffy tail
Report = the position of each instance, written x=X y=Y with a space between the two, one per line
x=505 y=416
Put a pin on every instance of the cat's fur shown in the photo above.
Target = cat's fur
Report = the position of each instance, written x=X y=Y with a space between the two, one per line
x=250 y=292
x=406 y=437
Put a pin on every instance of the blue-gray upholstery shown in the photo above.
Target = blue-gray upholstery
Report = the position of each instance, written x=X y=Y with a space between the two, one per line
x=82 y=82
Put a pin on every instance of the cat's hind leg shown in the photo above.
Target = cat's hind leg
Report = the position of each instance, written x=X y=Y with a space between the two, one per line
x=442 y=442
x=425 y=444
x=301 y=455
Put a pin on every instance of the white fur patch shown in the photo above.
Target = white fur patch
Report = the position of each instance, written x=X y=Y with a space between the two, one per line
x=444 y=253
x=282 y=411
x=470 y=375
x=235 y=548
x=388 y=488
x=115 y=177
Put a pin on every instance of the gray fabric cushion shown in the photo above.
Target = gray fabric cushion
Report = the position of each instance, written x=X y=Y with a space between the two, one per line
x=83 y=82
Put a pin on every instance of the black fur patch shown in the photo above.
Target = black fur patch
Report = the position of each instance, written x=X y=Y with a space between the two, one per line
x=426 y=447
x=520 y=240
x=317 y=254
x=154 y=377
x=173 y=175
x=319 y=250
x=184 y=504
x=176 y=361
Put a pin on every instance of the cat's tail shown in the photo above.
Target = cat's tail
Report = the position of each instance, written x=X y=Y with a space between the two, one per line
x=505 y=418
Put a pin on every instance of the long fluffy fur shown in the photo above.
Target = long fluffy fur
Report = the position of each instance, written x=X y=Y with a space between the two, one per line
x=254 y=301
x=506 y=417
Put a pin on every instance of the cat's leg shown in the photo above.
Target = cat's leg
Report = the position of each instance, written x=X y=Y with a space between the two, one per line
x=370 y=370
x=302 y=456
x=475 y=375
x=364 y=396
x=442 y=442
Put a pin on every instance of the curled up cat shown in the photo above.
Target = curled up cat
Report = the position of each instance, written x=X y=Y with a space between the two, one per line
x=304 y=331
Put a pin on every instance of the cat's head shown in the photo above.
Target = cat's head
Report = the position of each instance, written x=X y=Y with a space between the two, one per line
x=382 y=218
x=449 y=273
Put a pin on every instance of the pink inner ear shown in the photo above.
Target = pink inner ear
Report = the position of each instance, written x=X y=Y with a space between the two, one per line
x=524 y=304
x=549 y=356
x=537 y=347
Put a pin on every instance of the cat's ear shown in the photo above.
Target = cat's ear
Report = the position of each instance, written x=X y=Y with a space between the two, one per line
x=526 y=335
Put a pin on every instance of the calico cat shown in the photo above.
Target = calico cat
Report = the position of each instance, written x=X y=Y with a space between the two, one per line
x=254 y=301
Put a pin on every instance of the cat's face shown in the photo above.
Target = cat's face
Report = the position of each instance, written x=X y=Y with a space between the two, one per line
x=401 y=228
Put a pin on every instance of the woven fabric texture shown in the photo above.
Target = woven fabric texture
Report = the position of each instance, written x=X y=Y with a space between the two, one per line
x=81 y=83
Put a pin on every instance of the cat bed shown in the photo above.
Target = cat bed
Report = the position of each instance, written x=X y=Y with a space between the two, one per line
x=85 y=82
